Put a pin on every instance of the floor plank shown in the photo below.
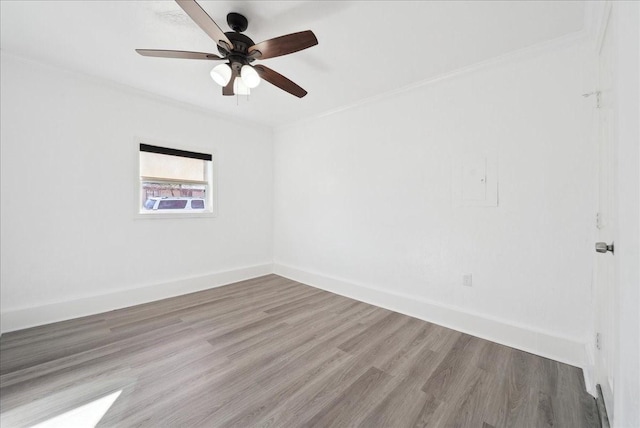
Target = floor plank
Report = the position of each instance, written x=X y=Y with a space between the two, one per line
x=272 y=352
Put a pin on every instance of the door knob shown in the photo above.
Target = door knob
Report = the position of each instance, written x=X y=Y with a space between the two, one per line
x=602 y=247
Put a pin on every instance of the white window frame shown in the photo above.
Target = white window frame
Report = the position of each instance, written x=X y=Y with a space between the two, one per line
x=212 y=173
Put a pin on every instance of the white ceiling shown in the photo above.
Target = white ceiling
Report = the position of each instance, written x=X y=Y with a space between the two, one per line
x=365 y=48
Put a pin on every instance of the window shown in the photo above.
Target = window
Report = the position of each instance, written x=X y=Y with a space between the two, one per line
x=175 y=181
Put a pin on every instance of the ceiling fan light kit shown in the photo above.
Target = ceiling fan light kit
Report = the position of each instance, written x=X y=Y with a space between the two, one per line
x=249 y=76
x=221 y=74
x=240 y=88
x=238 y=76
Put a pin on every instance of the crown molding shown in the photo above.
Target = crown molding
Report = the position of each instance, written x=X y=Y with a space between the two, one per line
x=131 y=90
x=596 y=16
x=570 y=39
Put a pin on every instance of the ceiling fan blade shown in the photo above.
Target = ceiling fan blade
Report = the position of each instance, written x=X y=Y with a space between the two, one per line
x=177 y=54
x=280 y=81
x=284 y=45
x=228 y=90
x=204 y=21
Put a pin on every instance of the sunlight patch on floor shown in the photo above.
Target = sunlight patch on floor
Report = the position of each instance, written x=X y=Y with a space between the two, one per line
x=86 y=416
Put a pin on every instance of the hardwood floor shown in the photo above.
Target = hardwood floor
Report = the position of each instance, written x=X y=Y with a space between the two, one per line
x=271 y=352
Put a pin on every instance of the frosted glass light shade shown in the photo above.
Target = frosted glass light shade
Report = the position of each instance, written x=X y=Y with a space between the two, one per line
x=221 y=74
x=239 y=87
x=249 y=76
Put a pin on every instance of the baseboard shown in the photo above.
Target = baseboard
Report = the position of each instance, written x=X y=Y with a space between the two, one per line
x=39 y=315
x=541 y=343
x=602 y=409
x=507 y=333
x=588 y=370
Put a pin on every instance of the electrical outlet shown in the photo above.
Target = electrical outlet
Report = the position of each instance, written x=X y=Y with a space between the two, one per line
x=466 y=280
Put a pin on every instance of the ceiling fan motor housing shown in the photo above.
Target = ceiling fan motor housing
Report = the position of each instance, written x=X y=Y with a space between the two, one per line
x=241 y=44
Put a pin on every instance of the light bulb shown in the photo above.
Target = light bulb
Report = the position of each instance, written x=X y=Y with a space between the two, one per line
x=221 y=74
x=239 y=87
x=249 y=76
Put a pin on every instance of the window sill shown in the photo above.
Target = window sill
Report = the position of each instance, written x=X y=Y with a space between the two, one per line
x=156 y=216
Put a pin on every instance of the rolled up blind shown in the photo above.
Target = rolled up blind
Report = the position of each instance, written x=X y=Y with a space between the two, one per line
x=161 y=163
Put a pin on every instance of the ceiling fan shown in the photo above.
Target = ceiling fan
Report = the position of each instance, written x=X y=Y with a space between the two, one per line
x=238 y=76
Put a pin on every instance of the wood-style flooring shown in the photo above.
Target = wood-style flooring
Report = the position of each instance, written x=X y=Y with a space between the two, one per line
x=272 y=352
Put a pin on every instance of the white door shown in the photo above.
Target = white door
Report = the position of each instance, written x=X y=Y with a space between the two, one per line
x=605 y=293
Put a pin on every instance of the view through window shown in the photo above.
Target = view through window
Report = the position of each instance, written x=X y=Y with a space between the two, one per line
x=173 y=180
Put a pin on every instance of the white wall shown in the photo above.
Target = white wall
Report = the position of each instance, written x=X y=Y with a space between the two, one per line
x=363 y=203
x=69 y=188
